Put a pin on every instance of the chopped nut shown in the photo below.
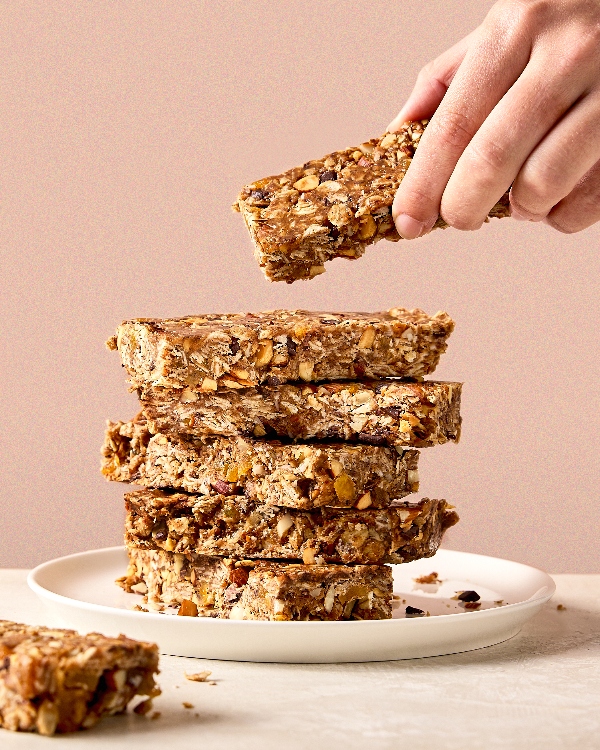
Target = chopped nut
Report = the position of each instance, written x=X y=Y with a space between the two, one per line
x=308 y=556
x=364 y=501
x=316 y=271
x=310 y=182
x=284 y=523
x=329 y=599
x=367 y=338
x=367 y=227
x=264 y=354
x=336 y=467
x=208 y=384
x=305 y=370
x=388 y=140
x=47 y=718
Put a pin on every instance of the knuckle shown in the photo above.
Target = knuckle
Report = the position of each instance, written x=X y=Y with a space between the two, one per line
x=539 y=186
x=493 y=156
x=454 y=128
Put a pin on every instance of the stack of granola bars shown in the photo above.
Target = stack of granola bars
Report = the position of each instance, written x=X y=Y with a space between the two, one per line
x=276 y=452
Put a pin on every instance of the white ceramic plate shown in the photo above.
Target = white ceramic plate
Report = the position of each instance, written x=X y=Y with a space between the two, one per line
x=80 y=592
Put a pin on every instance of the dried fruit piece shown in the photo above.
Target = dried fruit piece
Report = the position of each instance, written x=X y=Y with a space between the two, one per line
x=344 y=488
x=188 y=609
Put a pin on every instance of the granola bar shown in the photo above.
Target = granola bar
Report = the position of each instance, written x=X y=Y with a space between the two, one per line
x=291 y=475
x=237 y=527
x=332 y=207
x=59 y=681
x=259 y=590
x=384 y=412
x=224 y=352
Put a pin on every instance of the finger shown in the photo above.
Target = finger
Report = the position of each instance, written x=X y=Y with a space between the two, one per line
x=431 y=85
x=559 y=162
x=520 y=121
x=490 y=67
x=581 y=208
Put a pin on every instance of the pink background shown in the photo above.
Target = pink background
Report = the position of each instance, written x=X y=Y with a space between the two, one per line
x=127 y=130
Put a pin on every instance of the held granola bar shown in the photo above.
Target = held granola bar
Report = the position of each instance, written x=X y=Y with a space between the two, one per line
x=384 y=412
x=224 y=352
x=238 y=527
x=293 y=475
x=259 y=590
x=59 y=681
x=332 y=207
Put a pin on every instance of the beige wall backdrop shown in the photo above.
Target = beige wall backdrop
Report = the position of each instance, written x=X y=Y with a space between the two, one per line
x=127 y=129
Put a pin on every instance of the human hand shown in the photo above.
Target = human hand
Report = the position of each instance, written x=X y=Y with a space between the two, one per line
x=517 y=102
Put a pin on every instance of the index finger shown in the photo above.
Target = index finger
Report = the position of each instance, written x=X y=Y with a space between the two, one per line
x=493 y=63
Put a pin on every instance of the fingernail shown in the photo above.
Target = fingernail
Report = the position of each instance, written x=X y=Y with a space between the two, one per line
x=409 y=228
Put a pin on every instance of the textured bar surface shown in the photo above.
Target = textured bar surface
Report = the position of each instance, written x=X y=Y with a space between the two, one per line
x=258 y=590
x=237 y=527
x=59 y=681
x=295 y=476
x=221 y=352
x=333 y=207
x=384 y=412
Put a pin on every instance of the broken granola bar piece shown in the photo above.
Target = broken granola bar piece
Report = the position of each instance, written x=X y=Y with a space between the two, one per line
x=259 y=590
x=291 y=475
x=332 y=207
x=59 y=681
x=239 y=527
x=381 y=412
x=224 y=352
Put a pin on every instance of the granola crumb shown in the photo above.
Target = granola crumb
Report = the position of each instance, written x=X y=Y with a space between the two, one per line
x=186 y=704
x=155 y=715
x=561 y=607
x=212 y=682
x=198 y=676
x=431 y=578
x=144 y=707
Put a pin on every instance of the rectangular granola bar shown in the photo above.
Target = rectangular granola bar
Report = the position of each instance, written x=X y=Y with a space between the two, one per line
x=332 y=207
x=59 y=681
x=383 y=412
x=238 y=527
x=259 y=590
x=291 y=475
x=223 y=352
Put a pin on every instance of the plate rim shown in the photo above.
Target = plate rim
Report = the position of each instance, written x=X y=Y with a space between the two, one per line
x=45 y=593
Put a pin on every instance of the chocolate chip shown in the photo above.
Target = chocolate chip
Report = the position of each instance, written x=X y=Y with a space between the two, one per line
x=305 y=485
x=364 y=437
x=329 y=175
x=334 y=233
x=291 y=346
x=273 y=380
x=414 y=612
x=259 y=195
x=234 y=346
x=5 y=664
x=160 y=535
x=392 y=411
x=468 y=596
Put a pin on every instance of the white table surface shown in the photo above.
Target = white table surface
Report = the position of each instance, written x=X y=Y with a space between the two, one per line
x=539 y=690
